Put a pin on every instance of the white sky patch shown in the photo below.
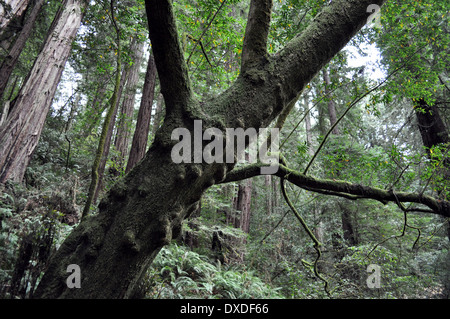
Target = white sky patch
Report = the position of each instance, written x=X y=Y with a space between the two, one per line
x=371 y=60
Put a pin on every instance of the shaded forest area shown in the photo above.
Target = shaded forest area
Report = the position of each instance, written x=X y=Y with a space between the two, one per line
x=88 y=101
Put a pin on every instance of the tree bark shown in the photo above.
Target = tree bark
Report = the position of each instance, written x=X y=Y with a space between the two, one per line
x=20 y=134
x=126 y=115
x=140 y=137
x=346 y=220
x=11 y=59
x=433 y=132
x=144 y=210
x=97 y=105
x=109 y=134
x=431 y=126
x=331 y=103
x=13 y=8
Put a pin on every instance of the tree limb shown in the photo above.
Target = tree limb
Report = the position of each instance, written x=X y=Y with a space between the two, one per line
x=343 y=188
x=255 y=42
x=169 y=58
x=266 y=86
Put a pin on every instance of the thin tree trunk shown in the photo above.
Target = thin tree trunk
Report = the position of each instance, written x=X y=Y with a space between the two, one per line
x=308 y=125
x=93 y=187
x=20 y=134
x=140 y=137
x=12 y=57
x=322 y=119
x=242 y=204
x=433 y=132
x=97 y=104
x=269 y=199
x=319 y=226
x=158 y=114
x=73 y=110
x=127 y=110
x=331 y=103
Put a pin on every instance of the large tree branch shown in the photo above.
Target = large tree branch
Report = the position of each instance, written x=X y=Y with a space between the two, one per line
x=343 y=188
x=169 y=58
x=256 y=33
x=265 y=88
x=330 y=31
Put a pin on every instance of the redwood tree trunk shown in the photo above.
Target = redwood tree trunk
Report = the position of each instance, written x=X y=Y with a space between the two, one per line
x=431 y=126
x=140 y=137
x=347 y=224
x=11 y=59
x=126 y=115
x=20 y=134
x=13 y=8
x=242 y=204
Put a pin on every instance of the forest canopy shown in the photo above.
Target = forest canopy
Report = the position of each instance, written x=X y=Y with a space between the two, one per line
x=93 y=204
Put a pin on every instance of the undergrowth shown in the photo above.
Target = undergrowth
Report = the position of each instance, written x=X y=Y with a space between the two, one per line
x=177 y=272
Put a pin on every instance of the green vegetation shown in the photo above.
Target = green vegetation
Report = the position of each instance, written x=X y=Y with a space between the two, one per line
x=243 y=239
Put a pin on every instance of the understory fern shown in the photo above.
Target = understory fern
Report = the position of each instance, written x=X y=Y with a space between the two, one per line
x=178 y=272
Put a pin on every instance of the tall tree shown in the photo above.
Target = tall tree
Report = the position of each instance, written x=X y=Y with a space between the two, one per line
x=144 y=210
x=346 y=215
x=9 y=9
x=331 y=102
x=140 y=137
x=20 y=134
x=12 y=57
x=127 y=110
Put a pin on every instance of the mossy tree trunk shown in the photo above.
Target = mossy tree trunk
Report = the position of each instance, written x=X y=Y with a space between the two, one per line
x=434 y=133
x=105 y=136
x=144 y=210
